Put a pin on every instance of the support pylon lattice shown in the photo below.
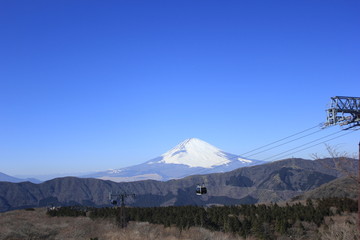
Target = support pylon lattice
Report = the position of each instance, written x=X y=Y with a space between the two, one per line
x=345 y=111
x=115 y=199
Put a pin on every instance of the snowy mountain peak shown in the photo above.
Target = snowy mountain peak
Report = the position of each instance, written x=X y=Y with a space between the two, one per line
x=194 y=144
x=195 y=153
x=190 y=157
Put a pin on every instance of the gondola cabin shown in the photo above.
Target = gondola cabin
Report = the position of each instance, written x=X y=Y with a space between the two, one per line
x=113 y=198
x=201 y=189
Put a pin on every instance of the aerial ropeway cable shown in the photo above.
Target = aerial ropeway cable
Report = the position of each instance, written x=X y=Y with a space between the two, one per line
x=285 y=143
x=285 y=153
x=320 y=125
x=295 y=134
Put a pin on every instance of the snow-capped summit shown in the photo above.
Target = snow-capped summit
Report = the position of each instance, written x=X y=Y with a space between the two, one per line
x=192 y=156
x=194 y=152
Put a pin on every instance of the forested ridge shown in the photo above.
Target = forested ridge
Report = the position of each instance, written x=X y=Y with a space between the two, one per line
x=272 y=182
x=264 y=221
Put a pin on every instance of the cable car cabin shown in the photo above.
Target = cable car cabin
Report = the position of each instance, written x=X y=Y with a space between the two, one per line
x=201 y=189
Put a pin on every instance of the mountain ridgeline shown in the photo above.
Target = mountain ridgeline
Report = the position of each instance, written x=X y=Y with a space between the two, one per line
x=192 y=156
x=6 y=178
x=271 y=182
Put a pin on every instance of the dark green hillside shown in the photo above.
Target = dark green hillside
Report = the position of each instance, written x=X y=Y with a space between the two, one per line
x=341 y=187
x=294 y=179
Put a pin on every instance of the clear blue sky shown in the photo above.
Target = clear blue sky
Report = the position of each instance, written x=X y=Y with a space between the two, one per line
x=93 y=85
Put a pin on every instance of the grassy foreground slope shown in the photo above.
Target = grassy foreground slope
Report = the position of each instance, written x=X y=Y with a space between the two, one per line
x=22 y=224
x=322 y=219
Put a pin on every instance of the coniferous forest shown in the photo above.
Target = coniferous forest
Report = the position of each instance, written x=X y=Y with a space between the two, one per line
x=263 y=221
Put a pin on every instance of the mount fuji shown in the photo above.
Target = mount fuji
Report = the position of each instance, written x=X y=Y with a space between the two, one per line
x=190 y=157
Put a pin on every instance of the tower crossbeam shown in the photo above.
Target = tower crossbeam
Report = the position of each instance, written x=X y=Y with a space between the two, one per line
x=344 y=111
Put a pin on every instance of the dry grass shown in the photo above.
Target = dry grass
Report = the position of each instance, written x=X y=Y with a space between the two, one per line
x=340 y=228
x=21 y=224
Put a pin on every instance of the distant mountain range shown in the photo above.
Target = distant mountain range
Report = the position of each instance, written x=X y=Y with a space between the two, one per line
x=7 y=178
x=271 y=182
x=192 y=156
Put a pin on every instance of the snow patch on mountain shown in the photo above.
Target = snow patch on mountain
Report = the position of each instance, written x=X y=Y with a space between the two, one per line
x=245 y=160
x=114 y=171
